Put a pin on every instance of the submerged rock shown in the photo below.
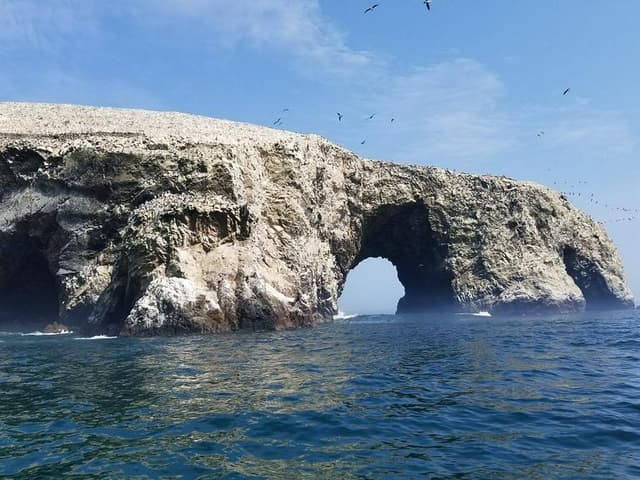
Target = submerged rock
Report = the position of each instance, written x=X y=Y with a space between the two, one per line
x=140 y=223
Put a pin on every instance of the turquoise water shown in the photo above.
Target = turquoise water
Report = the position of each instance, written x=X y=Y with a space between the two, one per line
x=370 y=398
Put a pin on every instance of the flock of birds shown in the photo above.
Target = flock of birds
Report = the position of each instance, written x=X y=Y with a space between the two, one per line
x=624 y=214
x=279 y=122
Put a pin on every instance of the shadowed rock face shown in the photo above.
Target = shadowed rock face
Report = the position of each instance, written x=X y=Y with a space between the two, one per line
x=140 y=223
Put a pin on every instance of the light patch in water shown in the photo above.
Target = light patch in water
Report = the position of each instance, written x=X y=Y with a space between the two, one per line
x=43 y=334
x=344 y=316
x=97 y=337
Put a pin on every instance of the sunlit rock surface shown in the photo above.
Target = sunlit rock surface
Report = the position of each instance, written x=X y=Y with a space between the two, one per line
x=140 y=223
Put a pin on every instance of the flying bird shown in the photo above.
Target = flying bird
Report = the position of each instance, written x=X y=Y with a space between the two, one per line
x=427 y=3
x=371 y=116
x=393 y=120
x=339 y=116
x=566 y=91
x=286 y=110
x=278 y=121
x=372 y=8
x=363 y=142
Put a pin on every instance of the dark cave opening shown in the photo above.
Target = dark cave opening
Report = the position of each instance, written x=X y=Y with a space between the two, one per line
x=28 y=289
x=403 y=234
x=585 y=274
x=124 y=298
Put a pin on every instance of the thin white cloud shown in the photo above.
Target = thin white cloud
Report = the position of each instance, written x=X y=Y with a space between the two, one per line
x=457 y=114
x=451 y=113
x=42 y=24
x=603 y=132
x=55 y=85
x=446 y=111
x=296 y=28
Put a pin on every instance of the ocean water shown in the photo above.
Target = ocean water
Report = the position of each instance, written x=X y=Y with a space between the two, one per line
x=374 y=397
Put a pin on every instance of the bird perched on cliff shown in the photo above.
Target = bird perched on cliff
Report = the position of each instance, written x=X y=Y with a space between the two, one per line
x=372 y=8
x=566 y=91
x=427 y=3
x=339 y=116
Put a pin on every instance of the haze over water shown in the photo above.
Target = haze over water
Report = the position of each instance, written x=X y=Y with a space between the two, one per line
x=380 y=397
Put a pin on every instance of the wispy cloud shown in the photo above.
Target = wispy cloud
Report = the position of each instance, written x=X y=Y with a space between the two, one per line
x=297 y=28
x=450 y=110
x=42 y=24
x=453 y=113
x=603 y=131
x=56 y=85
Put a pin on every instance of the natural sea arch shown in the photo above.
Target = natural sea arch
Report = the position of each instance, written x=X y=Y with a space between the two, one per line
x=402 y=233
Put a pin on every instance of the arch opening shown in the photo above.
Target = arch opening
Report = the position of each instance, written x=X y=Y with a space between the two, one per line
x=404 y=235
x=372 y=287
x=28 y=287
x=589 y=280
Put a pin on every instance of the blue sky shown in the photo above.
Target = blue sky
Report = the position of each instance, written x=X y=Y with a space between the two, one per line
x=470 y=83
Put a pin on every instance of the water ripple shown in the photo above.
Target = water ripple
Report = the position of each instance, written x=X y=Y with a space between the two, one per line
x=372 y=397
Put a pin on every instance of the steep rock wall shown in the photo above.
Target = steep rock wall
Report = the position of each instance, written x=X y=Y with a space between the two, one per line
x=146 y=223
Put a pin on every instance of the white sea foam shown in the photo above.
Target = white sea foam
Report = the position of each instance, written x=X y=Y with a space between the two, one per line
x=344 y=316
x=43 y=334
x=475 y=314
x=97 y=337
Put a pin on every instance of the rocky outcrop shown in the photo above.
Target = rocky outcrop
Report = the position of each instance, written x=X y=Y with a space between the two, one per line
x=56 y=328
x=145 y=223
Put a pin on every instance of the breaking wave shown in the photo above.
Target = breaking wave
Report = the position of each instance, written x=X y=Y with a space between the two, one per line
x=97 y=337
x=476 y=314
x=43 y=334
x=344 y=316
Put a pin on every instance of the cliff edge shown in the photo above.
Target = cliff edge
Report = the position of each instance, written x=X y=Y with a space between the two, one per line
x=141 y=223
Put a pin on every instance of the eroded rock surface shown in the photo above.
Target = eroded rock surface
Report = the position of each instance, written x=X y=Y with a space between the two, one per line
x=145 y=223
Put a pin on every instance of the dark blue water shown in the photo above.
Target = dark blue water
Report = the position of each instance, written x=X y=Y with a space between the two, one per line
x=372 y=398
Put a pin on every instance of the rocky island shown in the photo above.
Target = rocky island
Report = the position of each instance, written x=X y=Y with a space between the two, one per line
x=142 y=223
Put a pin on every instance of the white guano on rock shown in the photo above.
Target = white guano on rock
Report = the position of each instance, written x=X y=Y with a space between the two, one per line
x=141 y=223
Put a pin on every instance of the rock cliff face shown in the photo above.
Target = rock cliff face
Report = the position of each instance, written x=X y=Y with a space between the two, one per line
x=145 y=223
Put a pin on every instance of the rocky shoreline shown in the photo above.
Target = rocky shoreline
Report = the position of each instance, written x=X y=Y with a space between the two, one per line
x=146 y=223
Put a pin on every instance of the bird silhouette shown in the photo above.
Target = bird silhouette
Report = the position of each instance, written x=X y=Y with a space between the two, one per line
x=371 y=116
x=363 y=142
x=278 y=121
x=427 y=3
x=393 y=120
x=372 y=8
x=566 y=91
x=339 y=116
